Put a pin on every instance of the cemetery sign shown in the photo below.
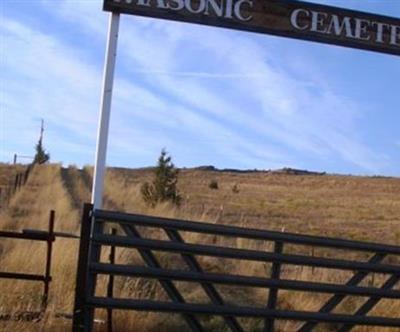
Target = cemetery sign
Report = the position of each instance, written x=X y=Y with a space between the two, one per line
x=286 y=18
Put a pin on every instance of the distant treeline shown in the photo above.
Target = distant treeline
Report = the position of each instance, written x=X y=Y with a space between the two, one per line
x=285 y=170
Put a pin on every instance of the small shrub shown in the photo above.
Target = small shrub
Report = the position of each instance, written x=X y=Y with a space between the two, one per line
x=235 y=189
x=163 y=187
x=213 y=185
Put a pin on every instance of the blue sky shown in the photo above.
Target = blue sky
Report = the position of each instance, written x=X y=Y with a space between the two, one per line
x=210 y=96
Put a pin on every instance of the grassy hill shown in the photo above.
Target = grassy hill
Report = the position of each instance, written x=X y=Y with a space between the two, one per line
x=363 y=208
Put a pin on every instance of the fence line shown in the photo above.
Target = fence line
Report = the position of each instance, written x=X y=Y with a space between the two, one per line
x=43 y=236
x=15 y=183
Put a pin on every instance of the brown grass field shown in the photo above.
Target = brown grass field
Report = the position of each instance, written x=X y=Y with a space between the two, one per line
x=362 y=208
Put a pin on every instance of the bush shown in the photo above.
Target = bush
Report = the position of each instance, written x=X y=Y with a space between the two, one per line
x=213 y=185
x=164 y=185
x=41 y=156
x=235 y=189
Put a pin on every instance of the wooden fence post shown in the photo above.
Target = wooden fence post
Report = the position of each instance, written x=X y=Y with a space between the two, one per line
x=16 y=183
x=26 y=174
x=273 y=292
x=21 y=180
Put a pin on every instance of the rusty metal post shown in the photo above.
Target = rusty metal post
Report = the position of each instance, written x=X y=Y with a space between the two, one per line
x=50 y=240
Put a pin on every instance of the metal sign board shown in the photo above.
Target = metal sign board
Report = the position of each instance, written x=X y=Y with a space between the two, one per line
x=286 y=18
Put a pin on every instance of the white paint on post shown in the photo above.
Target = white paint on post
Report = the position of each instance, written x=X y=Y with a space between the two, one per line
x=105 y=109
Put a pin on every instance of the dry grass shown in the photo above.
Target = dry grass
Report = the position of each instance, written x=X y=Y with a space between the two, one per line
x=351 y=207
x=7 y=180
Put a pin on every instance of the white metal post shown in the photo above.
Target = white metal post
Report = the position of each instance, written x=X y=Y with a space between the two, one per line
x=105 y=109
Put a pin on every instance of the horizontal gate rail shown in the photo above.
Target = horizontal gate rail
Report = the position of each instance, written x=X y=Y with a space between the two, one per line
x=256 y=234
x=24 y=276
x=180 y=275
x=238 y=311
x=56 y=234
x=172 y=242
x=243 y=254
x=37 y=236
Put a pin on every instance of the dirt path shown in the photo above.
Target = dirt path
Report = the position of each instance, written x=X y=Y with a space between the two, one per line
x=77 y=183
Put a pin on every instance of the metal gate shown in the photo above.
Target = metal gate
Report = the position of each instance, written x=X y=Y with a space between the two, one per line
x=93 y=238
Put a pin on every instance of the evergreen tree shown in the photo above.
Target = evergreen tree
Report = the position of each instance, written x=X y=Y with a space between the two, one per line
x=164 y=185
x=41 y=156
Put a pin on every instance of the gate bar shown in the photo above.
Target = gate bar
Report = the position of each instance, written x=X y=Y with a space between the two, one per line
x=240 y=311
x=245 y=254
x=208 y=228
x=240 y=280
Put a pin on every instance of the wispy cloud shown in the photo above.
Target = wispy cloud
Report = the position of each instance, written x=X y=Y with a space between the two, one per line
x=222 y=93
x=45 y=79
x=286 y=109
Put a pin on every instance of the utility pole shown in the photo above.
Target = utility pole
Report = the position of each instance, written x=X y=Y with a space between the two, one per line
x=41 y=130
